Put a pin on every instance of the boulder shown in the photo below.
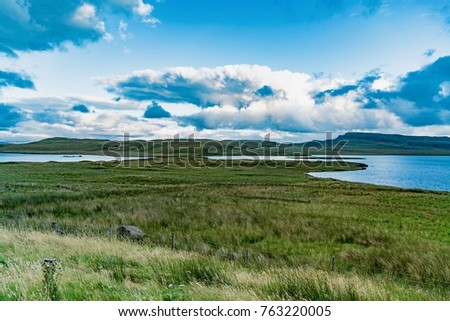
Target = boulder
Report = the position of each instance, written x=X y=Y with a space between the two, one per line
x=56 y=228
x=131 y=232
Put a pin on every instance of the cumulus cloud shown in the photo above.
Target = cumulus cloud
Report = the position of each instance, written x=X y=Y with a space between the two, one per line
x=445 y=89
x=236 y=85
x=66 y=103
x=108 y=119
x=156 y=111
x=365 y=83
x=419 y=98
x=86 y=16
x=422 y=98
x=286 y=116
x=202 y=87
x=256 y=97
x=9 y=116
x=247 y=99
x=36 y=25
x=15 y=80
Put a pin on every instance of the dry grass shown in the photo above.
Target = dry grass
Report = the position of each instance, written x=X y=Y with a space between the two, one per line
x=103 y=269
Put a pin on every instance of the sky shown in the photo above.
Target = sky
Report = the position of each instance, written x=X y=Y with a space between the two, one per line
x=221 y=69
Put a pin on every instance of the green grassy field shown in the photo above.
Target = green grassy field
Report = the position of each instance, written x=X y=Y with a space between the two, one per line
x=389 y=244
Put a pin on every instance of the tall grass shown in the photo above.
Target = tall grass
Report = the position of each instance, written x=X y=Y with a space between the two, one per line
x=104 y=269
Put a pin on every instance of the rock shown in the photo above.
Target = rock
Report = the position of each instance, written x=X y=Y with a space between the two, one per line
x=130 y=231
x=58 y=229
x=49 y=261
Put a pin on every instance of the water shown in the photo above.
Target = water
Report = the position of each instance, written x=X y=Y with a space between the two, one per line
x=42 y=158
x=422 y=172
x=239 y=157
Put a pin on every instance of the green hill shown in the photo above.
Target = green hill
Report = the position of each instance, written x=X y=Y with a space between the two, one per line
x=368 y=143
x=57 y=145
x=355 y=143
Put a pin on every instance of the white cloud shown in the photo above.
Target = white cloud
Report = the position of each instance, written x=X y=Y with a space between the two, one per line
x=86 y=16
x=237 y=101
x=143 y=9
x=384 y=83
x=139 y=8
x=445 y=89
x=232 y=97
x=30 y=25
x=152 y=21
x=123 y=30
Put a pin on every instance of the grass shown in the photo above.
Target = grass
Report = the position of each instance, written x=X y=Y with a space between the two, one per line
x=389 y=244
x=95 y=268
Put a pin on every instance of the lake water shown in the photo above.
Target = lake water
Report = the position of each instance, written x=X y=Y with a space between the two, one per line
x=423 y=172
x=42 y=158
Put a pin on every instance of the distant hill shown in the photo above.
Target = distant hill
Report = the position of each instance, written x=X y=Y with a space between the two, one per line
x=57 y=145
x=369 y=143
x=356 y=144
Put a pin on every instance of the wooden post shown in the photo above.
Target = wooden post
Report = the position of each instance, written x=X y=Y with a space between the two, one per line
x=174 y=242
x=17 y=221
x=49 y=267
x=110 y=231
x=247 y=256
x=333 y=263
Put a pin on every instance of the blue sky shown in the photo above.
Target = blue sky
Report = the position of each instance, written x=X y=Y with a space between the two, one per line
x=223 y=69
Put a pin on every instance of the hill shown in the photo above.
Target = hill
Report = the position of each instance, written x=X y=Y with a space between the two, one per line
x=56 y=145
x=369 y=143
x=355 y=144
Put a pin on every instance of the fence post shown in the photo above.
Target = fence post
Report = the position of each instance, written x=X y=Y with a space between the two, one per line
x=51 y=275
x=174 y=242
x=17 y=221
x=247 y=256
x=110 y=232
x=333 y=263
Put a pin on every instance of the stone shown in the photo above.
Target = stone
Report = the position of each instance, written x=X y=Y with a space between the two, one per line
x=130 y=231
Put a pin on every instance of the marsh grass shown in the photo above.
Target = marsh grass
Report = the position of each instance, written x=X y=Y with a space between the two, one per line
x=199 y=270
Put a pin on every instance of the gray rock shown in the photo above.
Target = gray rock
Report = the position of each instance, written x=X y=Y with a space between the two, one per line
x=56 y=228
x=130 y=231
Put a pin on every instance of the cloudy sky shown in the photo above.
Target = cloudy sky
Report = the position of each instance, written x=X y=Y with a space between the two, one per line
x=223 y=69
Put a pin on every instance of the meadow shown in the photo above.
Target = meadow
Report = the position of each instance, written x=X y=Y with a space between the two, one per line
x=243 y=232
